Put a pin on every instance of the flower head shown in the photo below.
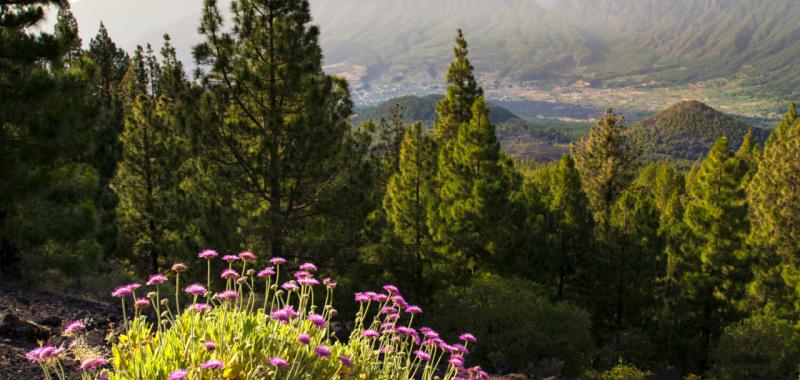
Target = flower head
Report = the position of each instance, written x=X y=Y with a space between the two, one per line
x=278 y=362
x=93 y=364
x=346 y=361
x=361 y=297
x=413 y=310
x=266 y=272
x=277 y=261
x=229 y=274
x=229 y=295
x=370 y=334
x=284 y=315
x=230 y=258
x=141 y=303
x=308 y=281
x=178 y=374
x=196 y=290
x=322 y=351
x=122 y=291
x=317 y=320
x=179 y=267
x=247 y=256
x=328 y=282
x=156 y=279
x=44 y=353
x=212 y=364
x=308 y=267
x=200 y=307
x=422 y=355
x=74 y=327
x=391 y=289
x=207 y=254
x=304 y=338
x=290 y=286
x=210 y=345
x=467 y=337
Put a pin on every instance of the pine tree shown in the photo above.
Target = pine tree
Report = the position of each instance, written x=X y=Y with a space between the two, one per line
x=112 y=64
x=148 y=178
x=716 y=265
x=775 y=201
x=66 y=32
x=571 y=226
x=410 y=194
x=282 y=121
x=787 y=121
x=606 y=160
x=749 y=154
x=462 y=91
x=48 y=211
x=474 y=192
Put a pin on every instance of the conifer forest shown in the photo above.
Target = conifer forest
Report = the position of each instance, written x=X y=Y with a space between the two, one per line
x=245 y=207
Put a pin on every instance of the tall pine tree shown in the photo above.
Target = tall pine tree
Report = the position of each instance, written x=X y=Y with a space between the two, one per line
x=409 y=196
x=282 y=120
x=462 y=91
x=775 y=214
x=474 y=191
x=715 y=263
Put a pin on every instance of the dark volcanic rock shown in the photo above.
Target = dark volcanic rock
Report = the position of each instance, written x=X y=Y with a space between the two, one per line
x=12 y=326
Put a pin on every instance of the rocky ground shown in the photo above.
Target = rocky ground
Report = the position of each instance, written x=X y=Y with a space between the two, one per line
x=28 y=318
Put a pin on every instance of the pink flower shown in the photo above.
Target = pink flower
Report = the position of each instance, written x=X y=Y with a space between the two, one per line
x=388 y=310
x=284 y=315
x=290 y=286
x=212 y=364
x=467 y=337
x=229 y=274
x=196 y=290
x=328 y=282
x=93 y=364
x=247 y=256
x=370 y=334
x=230 y=295
x=360 y=297
x=381 y=297
x=413 y=310
x=371 y=295
x=210 y=345
x=122 y=292
x=230 y=258
x=346 y=361
x=277 y=261
x=278 y=362
x=422 y=355
x=266 y=272
x=179 y=267
x=207 y=254
x=308 y=281
x=304 y=338
x=44 y=353
x=308 y=267
x=322 y=351
x=391 y=289
x=74 y=326
x=317 y=320
x=178 y=374
x=461 y=348
x=141 y=303
x=302 y=274
x=200 y=307
x=456 y=361
x=156 y=279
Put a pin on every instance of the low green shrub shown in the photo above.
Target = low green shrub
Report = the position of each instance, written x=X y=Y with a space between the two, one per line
x=523 y=331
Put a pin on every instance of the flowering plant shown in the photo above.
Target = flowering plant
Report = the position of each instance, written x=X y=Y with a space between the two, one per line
x=261 y=326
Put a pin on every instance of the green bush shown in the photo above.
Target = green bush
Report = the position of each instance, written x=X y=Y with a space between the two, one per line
x=761 y=347
x=521 y=330
x=625 y=372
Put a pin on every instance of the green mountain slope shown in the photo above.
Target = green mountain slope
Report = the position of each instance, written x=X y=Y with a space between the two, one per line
x=423 y=108
x=688 y=130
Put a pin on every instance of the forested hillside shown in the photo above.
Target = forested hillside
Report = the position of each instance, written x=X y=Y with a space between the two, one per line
x=228 y=213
